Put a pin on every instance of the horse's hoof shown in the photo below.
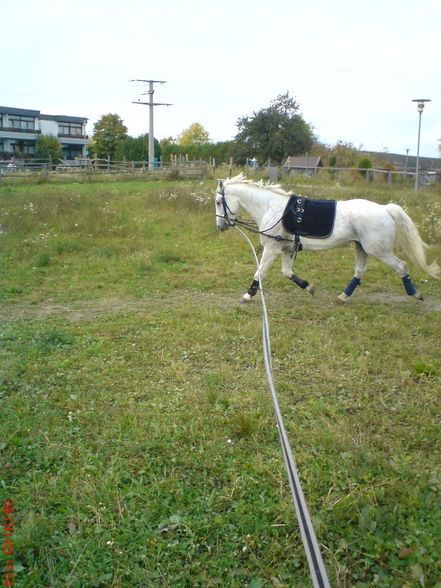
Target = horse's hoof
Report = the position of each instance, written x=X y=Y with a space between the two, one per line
x=418 y=295
x=343 y=297
x=311 y=289
x=246 y=298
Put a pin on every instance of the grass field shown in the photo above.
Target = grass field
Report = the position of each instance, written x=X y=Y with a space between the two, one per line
x=137 y=438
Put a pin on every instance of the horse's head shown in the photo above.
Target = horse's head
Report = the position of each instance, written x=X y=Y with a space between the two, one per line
x=226 y=207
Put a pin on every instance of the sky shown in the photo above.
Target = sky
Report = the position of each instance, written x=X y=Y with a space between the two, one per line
x=353 y=67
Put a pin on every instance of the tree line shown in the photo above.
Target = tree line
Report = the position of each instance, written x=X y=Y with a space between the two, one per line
x=269 y=135
x=273 y=133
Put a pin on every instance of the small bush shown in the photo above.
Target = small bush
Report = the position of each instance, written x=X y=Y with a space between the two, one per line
x=363 y=165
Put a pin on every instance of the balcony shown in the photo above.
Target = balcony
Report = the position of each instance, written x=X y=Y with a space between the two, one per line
x=72 y=136
x=16 y=130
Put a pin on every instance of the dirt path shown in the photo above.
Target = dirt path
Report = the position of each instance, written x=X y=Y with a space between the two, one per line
x=92 y=309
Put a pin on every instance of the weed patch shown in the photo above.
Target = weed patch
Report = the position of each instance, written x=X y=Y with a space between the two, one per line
x=137 y=437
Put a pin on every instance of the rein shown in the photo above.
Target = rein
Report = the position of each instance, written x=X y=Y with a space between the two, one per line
x=312 y=550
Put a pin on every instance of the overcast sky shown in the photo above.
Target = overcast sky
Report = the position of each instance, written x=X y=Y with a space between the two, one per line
x=353 y=67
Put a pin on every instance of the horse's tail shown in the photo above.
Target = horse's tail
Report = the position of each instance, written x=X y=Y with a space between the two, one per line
x=408 y=239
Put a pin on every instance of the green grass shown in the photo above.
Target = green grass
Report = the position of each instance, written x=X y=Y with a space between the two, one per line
x=137 y=438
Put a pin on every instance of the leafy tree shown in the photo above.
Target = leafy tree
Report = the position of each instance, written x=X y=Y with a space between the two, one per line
x=343 y=154
x=194 y=135
x=135 y=149
x=274 y=132
x=48 y=147
x=107 y=132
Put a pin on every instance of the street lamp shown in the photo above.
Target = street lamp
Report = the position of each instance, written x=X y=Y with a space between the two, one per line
x=420 y=109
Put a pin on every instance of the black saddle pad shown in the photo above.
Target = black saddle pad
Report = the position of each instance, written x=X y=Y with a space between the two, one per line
x=309 y=218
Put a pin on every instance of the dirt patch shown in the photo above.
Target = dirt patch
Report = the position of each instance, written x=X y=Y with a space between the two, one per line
x=87 y=310
x=429 y=304
x=91 y=309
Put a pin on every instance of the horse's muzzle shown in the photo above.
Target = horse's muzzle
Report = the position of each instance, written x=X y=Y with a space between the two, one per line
x=222 y=224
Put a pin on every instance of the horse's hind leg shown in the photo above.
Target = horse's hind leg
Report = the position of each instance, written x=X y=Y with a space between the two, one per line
x=287 y=271
x=361 y=260
x=400 y=267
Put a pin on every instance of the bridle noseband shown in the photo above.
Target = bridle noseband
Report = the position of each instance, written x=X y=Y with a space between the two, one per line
x=229 y=221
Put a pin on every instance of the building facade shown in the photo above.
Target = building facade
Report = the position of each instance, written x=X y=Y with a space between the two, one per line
x=20 y=128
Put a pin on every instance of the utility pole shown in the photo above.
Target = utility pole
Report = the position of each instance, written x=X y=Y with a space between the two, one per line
x=150 y=104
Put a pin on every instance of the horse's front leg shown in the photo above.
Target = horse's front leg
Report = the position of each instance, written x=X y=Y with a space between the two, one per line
x=361 y=262
x=287 y=260
x=270 y=251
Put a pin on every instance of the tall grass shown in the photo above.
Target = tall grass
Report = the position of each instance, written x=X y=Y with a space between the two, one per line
x=137 y=438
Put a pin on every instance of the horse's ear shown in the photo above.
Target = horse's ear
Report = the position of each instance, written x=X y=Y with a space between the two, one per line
x=220 y=185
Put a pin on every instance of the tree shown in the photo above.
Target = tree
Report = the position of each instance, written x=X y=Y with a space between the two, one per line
x=107 y=133
x=48 y=147
x=135 y=149
x=194 y=135
x=274 y=132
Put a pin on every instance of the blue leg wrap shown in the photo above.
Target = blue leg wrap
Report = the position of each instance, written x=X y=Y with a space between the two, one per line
x=408 y=286
x=352 y=285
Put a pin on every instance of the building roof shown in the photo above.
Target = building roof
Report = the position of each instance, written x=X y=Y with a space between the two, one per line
x=19 y=111
x=38 y=114
x=63 y=118
x=309 y=162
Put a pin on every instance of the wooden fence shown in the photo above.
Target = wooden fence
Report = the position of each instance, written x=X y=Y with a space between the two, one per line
x=369 y=175
x=101 y=169
x=91 y=169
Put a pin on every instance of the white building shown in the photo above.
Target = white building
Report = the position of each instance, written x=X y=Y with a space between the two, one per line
x=20 y=128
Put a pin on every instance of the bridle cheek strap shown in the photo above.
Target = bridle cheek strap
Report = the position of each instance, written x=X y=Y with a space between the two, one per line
x=227 y=210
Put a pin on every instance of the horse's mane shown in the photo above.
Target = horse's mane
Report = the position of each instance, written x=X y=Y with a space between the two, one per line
x=242 y=179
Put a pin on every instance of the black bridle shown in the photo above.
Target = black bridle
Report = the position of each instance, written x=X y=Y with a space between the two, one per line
x=229 y=221
x=251 y=226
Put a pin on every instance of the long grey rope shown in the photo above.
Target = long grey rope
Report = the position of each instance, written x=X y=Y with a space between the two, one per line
x=310 y=544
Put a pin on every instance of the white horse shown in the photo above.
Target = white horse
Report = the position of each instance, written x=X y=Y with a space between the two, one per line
x=374 y=228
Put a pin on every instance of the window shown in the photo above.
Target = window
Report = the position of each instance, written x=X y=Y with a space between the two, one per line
x=23 y=123
x=28 y=148
x=72 y=151
x=23 y=148
x=75 y=129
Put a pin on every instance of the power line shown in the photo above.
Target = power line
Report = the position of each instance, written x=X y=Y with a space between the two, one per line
x=150 y=104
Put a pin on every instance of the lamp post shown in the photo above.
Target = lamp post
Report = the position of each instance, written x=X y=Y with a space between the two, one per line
x=420 y=109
